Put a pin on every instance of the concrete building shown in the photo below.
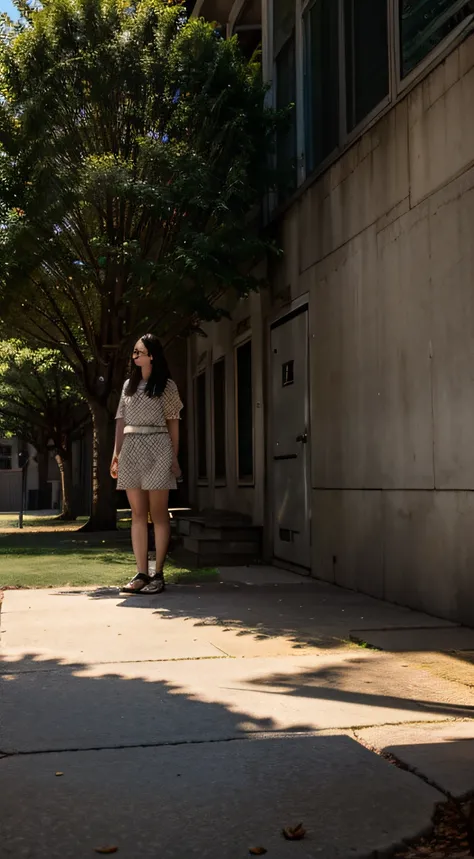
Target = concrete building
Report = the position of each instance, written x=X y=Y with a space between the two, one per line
x=336 y=409
x=11 y=452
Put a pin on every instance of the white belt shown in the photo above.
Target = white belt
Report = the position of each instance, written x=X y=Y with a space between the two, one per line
x=145 y=430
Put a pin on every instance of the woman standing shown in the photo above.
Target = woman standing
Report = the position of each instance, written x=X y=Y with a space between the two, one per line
x=145 y=458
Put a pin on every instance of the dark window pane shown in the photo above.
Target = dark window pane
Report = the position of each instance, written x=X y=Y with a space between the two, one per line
x=424 y=24
x=285 y=70
x=283 y=23
x=219 y=421
x=5 y=457
x=321 y=27
x=244 y=411
x=201 y=439
x=366 y=44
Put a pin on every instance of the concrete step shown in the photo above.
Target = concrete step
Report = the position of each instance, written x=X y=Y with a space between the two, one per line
x=221 y=547
x=218 y=538
x=225 y=533
x=195 y=560
x=217 y=530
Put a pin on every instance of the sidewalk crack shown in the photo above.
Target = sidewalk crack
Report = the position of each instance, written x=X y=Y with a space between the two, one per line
x=395 y=761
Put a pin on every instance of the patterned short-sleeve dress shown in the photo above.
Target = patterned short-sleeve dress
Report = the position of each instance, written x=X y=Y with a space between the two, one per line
x=147 y=453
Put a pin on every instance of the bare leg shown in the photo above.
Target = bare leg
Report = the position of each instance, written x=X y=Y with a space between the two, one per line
x=138 y=500
x=161 y=521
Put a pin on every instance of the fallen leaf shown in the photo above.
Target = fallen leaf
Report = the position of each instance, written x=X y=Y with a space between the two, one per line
x=257 y=851
x=106 y=849
x=294 y=833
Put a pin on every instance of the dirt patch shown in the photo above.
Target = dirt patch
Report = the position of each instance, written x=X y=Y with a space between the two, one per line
x=449 y=839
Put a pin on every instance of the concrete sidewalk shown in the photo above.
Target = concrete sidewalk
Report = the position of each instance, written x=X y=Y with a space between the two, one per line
x=201 y=722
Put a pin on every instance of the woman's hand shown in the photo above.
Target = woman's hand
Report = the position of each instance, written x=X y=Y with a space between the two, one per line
x=114 y=467
x=175 y=467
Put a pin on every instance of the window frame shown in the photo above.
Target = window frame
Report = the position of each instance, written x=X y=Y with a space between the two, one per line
x=346 y=138
x=305 y=7
x=219 y=482
x=246 y=482
x=385 y=102
x=6 y=453
x=201 y=481
x=273 y=57
x=398 y=86
x=435 y=56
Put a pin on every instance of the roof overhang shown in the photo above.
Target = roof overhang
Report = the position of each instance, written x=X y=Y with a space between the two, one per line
x=239 y=14
x=213 y=10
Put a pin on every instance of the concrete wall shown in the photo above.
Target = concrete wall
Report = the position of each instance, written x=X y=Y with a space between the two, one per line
x=384 y=245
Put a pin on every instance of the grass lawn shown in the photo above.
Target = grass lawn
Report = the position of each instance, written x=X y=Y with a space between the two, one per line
x=30 y=520
x=66 y=557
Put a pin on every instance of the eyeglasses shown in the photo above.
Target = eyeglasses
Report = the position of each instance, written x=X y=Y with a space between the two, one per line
x=137 y=352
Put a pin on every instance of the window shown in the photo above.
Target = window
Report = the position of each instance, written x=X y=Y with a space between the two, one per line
x=5 y=457
x=348 y=60
x=244 y=412
x=336 y=104
x=284 y=53
x=201 y=423
x=219 y=421
x=321 y=30
x=424 y=24
x=366 y=57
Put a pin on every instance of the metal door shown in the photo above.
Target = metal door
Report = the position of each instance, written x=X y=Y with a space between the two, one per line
x=290 y=433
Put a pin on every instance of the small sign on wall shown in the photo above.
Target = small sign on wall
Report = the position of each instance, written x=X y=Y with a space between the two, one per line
x=288 y=373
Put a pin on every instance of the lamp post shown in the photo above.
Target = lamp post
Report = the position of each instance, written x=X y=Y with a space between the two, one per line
x=23 y=460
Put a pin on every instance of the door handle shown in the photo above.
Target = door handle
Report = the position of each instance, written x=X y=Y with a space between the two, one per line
x=303 y=438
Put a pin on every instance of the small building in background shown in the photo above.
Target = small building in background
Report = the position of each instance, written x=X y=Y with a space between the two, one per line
x=13 y=453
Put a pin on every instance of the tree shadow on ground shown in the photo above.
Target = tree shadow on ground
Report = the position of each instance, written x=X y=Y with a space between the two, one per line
x=344 y=683
x=306 y=614
x=359 y=677
x=63 y=540
x=64 y=705
x=148 y=767
x=260 y=612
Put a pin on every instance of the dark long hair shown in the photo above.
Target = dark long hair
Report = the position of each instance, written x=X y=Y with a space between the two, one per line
x=160 y=372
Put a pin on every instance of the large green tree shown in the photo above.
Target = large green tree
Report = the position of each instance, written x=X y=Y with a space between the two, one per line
x=41 y=405
x=134 y=151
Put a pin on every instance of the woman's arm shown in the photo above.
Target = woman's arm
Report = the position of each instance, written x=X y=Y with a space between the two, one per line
x=173 y=429
x=119 y=428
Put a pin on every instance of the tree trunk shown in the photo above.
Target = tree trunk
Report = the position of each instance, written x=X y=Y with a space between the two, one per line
x=65 y=470
x=104 y=496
